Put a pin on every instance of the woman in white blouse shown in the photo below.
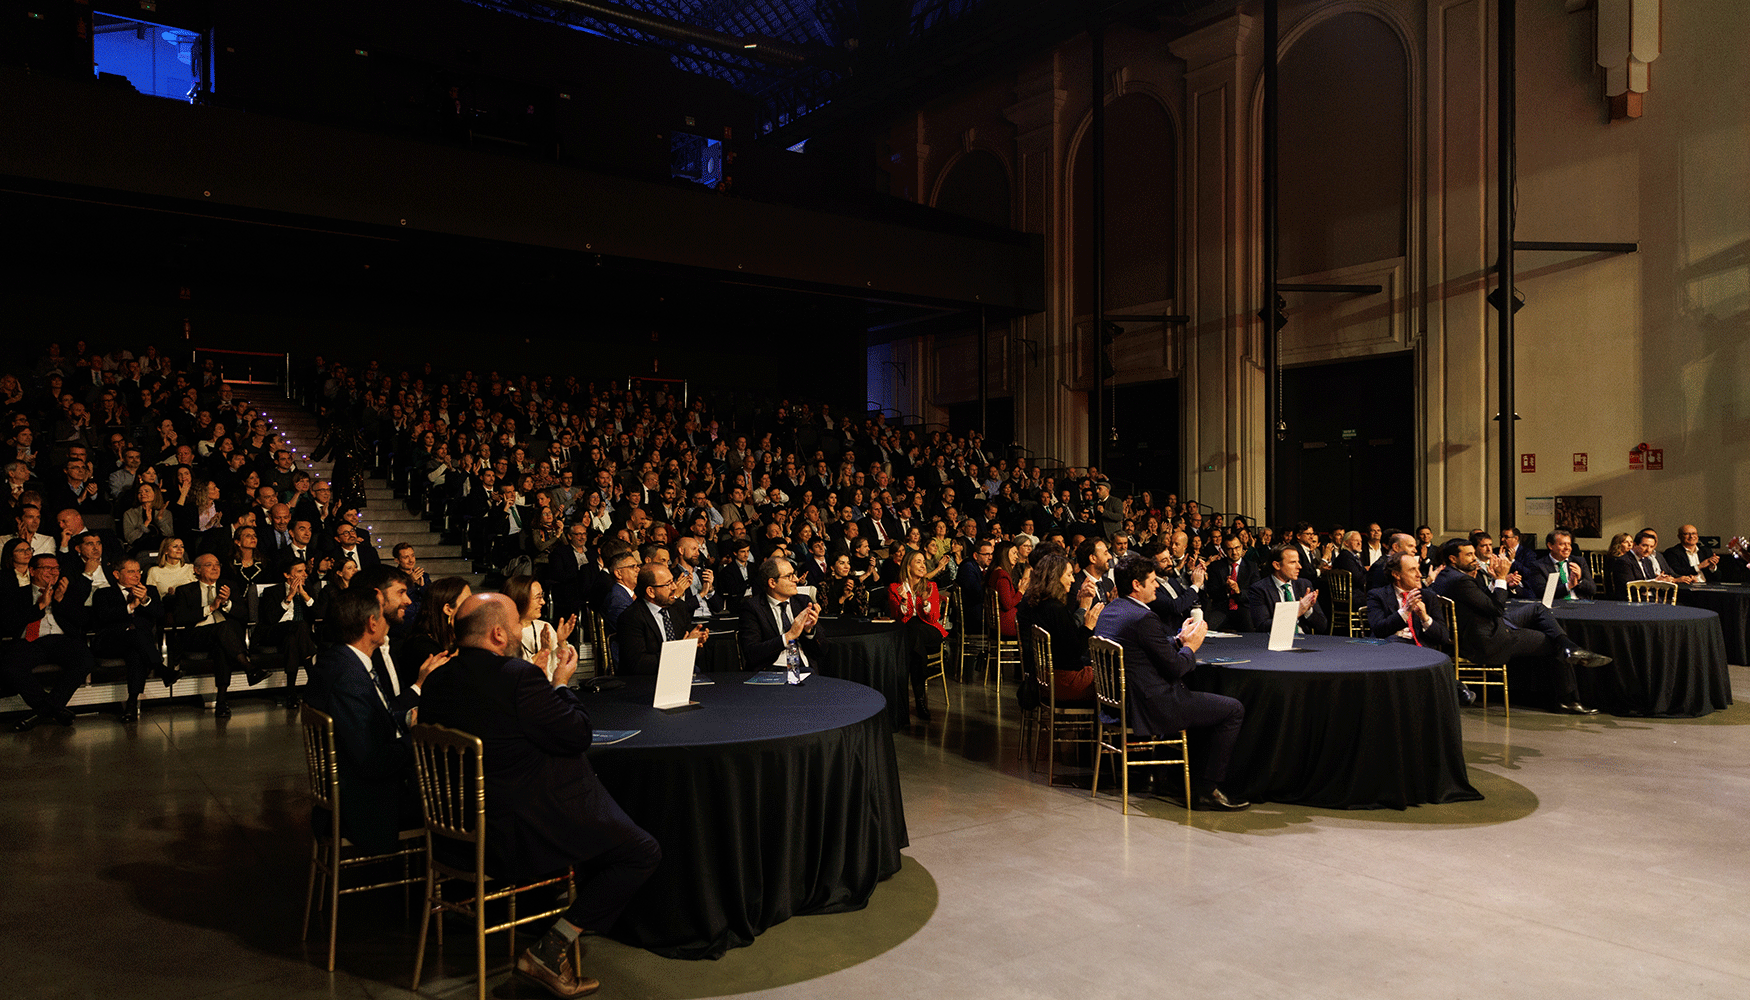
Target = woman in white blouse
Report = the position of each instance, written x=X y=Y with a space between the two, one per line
x=171 y=571
x=539 y=638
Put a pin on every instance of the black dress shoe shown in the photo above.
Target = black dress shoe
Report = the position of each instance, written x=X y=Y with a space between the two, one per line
x=171 y=675
x=1466 y=697
x=1586 y=658
x=28 y=723
x=221 y=710
x=1216 y=801
x=131 y=711
x=61 y=717
x=254 y=673
x=922 y=708
x=1575 y=708
x=291 y=699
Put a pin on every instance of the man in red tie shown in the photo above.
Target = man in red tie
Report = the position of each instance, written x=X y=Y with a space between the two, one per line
x=48 y=617
x=1400 y=612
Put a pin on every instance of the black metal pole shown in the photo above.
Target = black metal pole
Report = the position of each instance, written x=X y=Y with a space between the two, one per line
x=1272 y=370
x=1506 y=95
x=1097 y=415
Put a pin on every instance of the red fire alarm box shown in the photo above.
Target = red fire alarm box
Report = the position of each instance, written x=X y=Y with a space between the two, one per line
x=1579 y=461
x=1528 y=462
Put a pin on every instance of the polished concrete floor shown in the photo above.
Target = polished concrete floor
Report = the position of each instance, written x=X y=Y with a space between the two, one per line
x=167 y=860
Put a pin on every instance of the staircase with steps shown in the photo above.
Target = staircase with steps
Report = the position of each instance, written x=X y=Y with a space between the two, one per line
x=385 y=516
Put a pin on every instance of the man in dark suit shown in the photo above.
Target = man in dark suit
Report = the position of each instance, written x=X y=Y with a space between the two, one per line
x=287 y=623
x=1155 y=664
x=569 y=574
x=1348 y=560
x=878 y=527
x=1573 y=576
x=348 y=545
x=1491 y=632
x=971 y=580
x=126 y=618
x=735 y=574
x=1285 y=584
x=1108 y=510
x=1642 y=562
x=774 y=615
x=377 y=797
x=47 y=620
x=1179 y=580
x=1231 y=578
x=214 y=625
x=1379 y=575
x=650 y=621
x=1400 y=613
x=545 y=807
x=1691 y=561
x=1306 y=546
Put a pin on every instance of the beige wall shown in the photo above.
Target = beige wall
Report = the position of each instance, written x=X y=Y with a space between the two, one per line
x=1612 y=350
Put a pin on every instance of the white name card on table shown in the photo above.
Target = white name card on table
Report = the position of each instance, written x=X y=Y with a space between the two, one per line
x=1282 y=625
x=674 y=676
x=1549 y=590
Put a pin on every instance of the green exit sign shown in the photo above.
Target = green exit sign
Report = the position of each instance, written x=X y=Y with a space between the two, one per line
x=1209 y=468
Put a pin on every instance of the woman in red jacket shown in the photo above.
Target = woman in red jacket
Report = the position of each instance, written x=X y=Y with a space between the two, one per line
x=915 y=601
x=1000 y=580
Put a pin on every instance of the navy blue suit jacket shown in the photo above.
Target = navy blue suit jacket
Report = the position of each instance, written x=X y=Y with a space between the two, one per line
x=376 y=757
x=1262 y=597
x=1384 y=621
x=1155 y=665
x=1534 y=574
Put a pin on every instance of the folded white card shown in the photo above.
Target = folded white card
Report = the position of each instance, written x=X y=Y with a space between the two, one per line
x=1282 y=625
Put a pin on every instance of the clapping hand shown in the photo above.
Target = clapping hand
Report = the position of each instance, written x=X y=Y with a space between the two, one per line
x=566 y=627
x=222 y=595
x=699 y=634
x=431 y=663
x=1192 y=634
x=1306 y=602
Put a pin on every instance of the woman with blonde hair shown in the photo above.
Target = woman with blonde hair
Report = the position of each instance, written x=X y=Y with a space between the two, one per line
x=172 y=570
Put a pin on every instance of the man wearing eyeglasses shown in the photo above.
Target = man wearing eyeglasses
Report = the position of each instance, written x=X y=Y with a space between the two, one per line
x=1691 y=561
x=774 y=615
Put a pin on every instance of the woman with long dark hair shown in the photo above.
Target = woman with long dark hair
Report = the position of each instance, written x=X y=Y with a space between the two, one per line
x=1068 y=618
x=434 y=631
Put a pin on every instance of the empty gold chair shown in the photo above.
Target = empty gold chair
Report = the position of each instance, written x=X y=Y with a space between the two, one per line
x=1112 y=726
x=452 y=792
x=1346 y=618
x=1651 y=592
x=328 y=857
x=1056 y=725
x=1000 y=651
x=1470 y=672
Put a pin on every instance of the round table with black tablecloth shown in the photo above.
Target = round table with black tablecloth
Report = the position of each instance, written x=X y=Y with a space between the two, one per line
x=1666 y=661
x=1345 y=725
x=769 y=802
x=871 y=653
x=1732 y=604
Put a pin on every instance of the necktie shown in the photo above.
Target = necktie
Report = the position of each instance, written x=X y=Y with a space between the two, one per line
x=380 y=672
x=1647 y=569
x=668 y=625
x=784 y=616
x=1409 y=617
x=1233 y=574
x=1288 y=595
x=1568 y=592
x=207 y=600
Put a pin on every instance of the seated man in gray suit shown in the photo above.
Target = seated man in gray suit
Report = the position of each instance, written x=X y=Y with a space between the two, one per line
x=1155 y=665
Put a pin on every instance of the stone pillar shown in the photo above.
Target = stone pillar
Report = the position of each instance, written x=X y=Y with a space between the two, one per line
x=1050 y=419
x=1222 y=387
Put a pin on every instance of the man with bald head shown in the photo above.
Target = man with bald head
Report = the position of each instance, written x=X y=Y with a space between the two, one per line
x=545 y=807
x=214 y=624
x=1691 y=561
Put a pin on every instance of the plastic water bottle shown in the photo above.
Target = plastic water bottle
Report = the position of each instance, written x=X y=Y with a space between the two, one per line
x=792 y=663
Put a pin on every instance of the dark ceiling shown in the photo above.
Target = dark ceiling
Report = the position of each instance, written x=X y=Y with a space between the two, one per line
x=814 y=65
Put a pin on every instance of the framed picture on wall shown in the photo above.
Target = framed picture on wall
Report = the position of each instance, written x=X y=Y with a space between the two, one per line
x=1583 y=516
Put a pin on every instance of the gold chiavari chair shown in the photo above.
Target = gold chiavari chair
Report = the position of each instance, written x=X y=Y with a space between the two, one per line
x=452 y=792
x=1651 y=592
x=1001 y=651
x=1112 y=726
x=1346 y=618
x=1056 y=725
x=328 y=849
x=1470 y=672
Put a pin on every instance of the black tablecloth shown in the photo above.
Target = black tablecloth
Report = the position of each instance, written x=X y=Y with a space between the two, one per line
x=769 y=802
x=1732 y=604
x=870 y=653
x=1347 y=726
x=1667 y=661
